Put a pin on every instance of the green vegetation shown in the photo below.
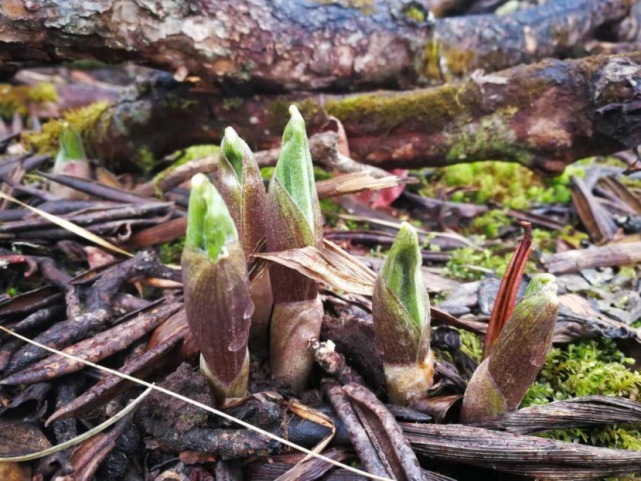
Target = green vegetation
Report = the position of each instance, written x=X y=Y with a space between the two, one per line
x=19 y=99
x=588 y=368
x=509 y=184
x=470 y=264
x=81 y=120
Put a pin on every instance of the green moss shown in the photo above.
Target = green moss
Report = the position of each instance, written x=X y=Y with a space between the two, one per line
x=431 y=109
x=457 y=60
x=145 y=159
x=19 y=99
x=278 y=112
x=489 y=223
x=232 y=103
x=367 y=7
x=509 y=184
x=472 y=264
x=415 y=13
x=196 y=152
x=431 y=67
x=171 y=252
x=471 y=345
x=82 y=120
x=543 y=241
x=589 y=368
x=182 y=157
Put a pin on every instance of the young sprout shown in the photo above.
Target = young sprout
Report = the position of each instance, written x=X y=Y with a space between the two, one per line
x=502 y=379
x=293 y=221
x=239 y=181
x=216 y=285
x=70 y=160
x=401 y=312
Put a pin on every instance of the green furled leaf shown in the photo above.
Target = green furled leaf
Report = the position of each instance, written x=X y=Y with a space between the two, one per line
x=210 y=227
x=234 y=149
x=294 y=170
x=401 y=304
x=239 y=182
x=402 y=274
x=71 y=146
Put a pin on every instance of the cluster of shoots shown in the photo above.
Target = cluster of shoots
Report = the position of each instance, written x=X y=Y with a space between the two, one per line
x=228 y=221
x=233 y=218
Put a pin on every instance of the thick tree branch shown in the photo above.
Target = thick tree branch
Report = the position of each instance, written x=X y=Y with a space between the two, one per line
x=544 y=116
x=291 y=45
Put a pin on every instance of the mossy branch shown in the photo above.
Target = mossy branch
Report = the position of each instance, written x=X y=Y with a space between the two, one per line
x=544 y=116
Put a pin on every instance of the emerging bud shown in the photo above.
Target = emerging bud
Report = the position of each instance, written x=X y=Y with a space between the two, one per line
x=401 y=312
x=502 y=379
x=217 y=297
x=294 y=171
x=70 y=160
x=239 y=181
x=294 y=221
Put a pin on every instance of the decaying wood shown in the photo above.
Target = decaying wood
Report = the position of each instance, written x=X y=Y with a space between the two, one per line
x=364 y=446
x=619 y=254
x=463 y=44
x=543 y=115
x=347 y=44
x=111 y=385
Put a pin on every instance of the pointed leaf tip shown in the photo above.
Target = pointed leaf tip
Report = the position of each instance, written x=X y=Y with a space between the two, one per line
x=234 y=149
x=294 y=171
x=402 y=274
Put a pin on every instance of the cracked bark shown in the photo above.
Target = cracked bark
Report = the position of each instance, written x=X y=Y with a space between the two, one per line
x=268 y=45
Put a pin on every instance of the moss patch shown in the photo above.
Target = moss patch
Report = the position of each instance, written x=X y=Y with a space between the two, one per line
x=431 y=109
x=509 y=184
x=82 y=120
x=585 y=368
x=19 y=99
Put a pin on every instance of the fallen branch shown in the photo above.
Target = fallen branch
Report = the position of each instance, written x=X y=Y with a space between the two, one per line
x=294 y=45
x=620 y=254
x=544 y=116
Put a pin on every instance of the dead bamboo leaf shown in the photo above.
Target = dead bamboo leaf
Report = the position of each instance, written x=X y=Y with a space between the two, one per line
x=330 y=265
x=355 y=183
x=597 y=221
x=70 y=226
x=621 y=192
x=512 y=453
x=578 y=412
